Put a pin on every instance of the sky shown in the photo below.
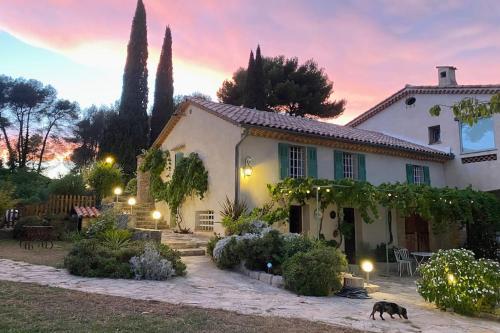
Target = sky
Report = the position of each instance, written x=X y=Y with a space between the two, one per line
x=369 y=49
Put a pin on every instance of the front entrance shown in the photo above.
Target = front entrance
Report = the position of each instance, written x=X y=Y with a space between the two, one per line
x=350 y=237
x=295 y=219
x=417 y=233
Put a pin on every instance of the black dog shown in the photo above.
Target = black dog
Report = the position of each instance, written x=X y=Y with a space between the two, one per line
x=390 y=308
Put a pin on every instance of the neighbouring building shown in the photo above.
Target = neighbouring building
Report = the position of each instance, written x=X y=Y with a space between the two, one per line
x=396 y=141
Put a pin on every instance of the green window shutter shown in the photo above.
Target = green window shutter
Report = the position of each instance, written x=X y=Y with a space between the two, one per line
x=338 y=162
x=361 y=167
x=283 y=160
x=427 y=175
x=409 y=173
x=178 y=157
x=312 y=162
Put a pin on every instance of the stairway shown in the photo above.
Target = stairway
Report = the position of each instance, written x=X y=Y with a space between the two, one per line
x=187 y=244
x=142 y=214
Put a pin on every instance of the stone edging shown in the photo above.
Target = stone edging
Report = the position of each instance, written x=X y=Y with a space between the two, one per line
x=273 y=280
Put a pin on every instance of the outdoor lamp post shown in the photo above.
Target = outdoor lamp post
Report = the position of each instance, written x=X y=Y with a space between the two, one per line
x=367 y=267
x=131 y=202
x=117 y=191
x=156 y=216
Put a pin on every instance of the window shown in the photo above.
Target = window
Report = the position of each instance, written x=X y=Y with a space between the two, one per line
x=479 y=137
x=434 y=134
x=297 y=162
x=443 y=74
x=204 y=220
x=418 y=175
x=350 y=165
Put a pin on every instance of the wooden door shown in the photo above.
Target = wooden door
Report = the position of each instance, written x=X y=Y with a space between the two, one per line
x=417 y=233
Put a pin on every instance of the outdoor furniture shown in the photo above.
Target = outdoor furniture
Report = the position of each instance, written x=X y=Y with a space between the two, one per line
x=42 y=234
x=422 y=255
x=403 y=260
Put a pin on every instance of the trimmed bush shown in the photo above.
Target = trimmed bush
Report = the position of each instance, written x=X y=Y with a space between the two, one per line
x=455 y=279
x=174 y=257
x=258 y=251
x=315 y=272
x=226 y=253
x=151 y=266
x=90 y=258
x=294 y=243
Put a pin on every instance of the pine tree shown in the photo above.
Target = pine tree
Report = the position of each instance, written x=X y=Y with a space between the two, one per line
x=163 y=106
x=133 y=117
x=249 y=98
x=258 y=88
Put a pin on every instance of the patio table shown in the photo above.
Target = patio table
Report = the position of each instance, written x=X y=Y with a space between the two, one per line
x=422 y=255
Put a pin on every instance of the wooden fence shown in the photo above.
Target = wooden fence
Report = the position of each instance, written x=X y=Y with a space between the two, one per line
x=57 y=204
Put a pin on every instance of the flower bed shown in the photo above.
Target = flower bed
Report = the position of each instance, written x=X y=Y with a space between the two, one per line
x=302 y=265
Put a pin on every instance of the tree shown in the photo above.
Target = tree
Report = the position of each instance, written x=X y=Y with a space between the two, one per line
x=300 y=90
x=248 y=92
x=59 y=115
x=103 y=177
x=163 y=106
x=469 y=110
x=133 y=124
x=256 y=83
x=89 y=134
x=179 y=99
x=5 y=86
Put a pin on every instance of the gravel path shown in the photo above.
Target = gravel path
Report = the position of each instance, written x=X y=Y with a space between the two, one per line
x=208 y=287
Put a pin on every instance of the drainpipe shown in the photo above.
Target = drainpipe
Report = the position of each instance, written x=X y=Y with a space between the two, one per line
x=236 y=165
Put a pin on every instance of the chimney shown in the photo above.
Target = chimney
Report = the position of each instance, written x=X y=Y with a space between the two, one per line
x=446 y=75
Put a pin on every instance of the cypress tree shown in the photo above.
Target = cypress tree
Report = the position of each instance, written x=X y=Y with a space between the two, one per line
x=163 y=106
x=249 y=100
x=258 y=88
x=133 y=117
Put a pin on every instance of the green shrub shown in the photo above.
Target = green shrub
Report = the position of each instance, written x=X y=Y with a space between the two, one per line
x=131 y=188
x=238 y=226
x=233 y=209
x=70 y=184
x=27 y=221
x=103 y=177
x=115 y=239
x=455 y=279
x=294 y=243
x=316 y=272
x=28 y=186
x=259 y=251
x=107 y=221
x=211 y=244
x=90 y=258
x=226 y=253
x=62 y=224
x=151 y=266
x=174 y=257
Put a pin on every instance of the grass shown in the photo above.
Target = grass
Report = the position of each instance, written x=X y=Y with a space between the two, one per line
x=9 y=249
x=33 y=308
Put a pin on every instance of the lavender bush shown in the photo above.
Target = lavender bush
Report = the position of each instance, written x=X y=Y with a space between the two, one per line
x=151 y=266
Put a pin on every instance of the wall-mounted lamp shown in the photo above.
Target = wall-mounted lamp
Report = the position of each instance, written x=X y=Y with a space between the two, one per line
x=247 y=169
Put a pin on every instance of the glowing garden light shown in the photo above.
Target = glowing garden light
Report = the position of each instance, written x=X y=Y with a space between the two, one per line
x=109 y=160
x=156 y=216
x=367 y=267
x=131 y=202
x=117 y=191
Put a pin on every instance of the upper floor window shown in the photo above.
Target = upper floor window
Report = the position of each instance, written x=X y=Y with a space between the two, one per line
x=297 y=162
x=434 y=134
x=479 y=137
x=418 y=175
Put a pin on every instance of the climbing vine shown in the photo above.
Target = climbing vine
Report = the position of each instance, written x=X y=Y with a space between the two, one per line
x=442 y=206
x=189 y=178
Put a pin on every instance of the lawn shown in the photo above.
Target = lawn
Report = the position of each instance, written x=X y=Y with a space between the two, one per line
x=33 y=308
x=9 y=249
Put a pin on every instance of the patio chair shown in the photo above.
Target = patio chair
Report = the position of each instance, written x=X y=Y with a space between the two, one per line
x=403 y=259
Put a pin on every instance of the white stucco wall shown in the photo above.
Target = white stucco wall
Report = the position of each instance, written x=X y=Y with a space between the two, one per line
x=214 y=140
x=379 y=169
x=412 y=124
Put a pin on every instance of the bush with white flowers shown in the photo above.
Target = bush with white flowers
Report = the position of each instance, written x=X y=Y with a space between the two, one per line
x=151 y=266
x=454 y=279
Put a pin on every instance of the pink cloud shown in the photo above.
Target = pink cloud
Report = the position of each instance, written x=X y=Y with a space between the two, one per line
x=368 y=50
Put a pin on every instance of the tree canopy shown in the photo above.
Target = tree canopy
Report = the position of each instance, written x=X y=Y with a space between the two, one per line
x=290 y=87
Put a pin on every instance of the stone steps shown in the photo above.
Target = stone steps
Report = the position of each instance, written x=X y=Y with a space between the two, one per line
x=186 y=244
x=192 y=252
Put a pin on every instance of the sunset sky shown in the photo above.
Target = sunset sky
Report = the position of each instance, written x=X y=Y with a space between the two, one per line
x=368 y=48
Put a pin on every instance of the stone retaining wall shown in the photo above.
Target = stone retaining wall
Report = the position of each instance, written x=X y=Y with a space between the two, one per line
x=273 y=280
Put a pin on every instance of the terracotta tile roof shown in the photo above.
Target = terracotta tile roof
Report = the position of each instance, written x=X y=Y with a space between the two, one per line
x=416 y=90
x=305 y=126
x=86 y=211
